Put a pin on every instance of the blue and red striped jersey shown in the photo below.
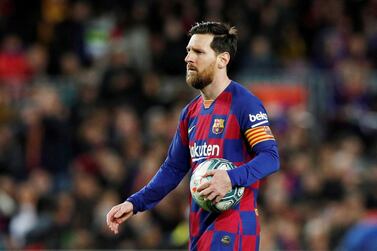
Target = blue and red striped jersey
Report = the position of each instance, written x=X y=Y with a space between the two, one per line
x=235 y=127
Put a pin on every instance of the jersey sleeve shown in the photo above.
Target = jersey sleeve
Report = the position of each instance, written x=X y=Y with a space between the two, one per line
x=254 y=125
x=254 y=121
x=170 y=174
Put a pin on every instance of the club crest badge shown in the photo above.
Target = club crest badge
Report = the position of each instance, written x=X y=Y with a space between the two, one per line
x=226 y=240
x=218 y=126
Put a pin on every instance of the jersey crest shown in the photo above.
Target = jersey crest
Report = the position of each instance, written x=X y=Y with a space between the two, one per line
x=218 y=126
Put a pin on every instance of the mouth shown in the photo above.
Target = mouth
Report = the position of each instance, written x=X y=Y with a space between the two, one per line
x=191 y=68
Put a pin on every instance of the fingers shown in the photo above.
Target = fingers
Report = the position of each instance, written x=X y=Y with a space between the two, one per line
x=111 y=221
x=206 y=184
x=213 y=190
x=110 y=215
x=206 y=192
x=211 y=196
x=114 y=227
x=209 y=193
x=117 y=215
x=209 y=173
x=124 y=217
x=120 y=212
x=203 y=186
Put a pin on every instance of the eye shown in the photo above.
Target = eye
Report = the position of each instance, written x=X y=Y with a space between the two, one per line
x=198 y=51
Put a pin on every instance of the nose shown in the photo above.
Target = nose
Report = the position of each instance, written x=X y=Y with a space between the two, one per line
x=188 y=57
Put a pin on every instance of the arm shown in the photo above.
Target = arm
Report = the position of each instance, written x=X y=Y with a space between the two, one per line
x=254 y=125
x=264 y=163
x=171 y=172
x=166 y=179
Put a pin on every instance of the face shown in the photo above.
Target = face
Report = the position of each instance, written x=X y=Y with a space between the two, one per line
x=200 y=60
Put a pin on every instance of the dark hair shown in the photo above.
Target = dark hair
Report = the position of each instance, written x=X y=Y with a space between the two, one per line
x=225 y=36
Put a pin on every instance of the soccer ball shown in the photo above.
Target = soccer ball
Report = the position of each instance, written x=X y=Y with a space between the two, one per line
x=230 y=199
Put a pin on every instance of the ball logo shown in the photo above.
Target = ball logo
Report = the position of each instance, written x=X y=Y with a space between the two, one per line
x=218 y=126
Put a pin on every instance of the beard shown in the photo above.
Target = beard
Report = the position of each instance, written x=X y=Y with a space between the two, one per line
x=199 y=80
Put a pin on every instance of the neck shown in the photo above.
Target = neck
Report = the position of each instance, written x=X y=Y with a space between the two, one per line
x=213 y=90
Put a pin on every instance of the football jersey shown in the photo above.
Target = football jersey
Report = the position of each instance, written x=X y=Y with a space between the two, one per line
x=235 y=127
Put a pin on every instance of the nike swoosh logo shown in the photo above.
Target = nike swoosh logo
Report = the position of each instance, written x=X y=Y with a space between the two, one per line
x=191 y=128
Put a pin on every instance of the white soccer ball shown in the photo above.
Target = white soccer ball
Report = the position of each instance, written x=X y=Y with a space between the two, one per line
x=230 y=199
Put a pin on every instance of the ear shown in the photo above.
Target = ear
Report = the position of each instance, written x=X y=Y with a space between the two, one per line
x=223 y=60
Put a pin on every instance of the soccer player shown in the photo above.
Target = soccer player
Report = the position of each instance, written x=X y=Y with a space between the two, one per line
x=224 y=121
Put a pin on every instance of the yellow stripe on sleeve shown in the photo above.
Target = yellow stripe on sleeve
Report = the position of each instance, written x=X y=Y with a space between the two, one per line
x=258 y=134
x=250 y=132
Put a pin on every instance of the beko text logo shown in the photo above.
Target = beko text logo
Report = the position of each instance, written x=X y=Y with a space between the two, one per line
x=257 y=117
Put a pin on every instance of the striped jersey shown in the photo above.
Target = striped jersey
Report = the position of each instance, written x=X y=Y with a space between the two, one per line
x=235 y=127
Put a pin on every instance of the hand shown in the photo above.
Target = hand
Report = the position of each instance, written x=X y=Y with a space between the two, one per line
x=119 y=214
x=215 y=189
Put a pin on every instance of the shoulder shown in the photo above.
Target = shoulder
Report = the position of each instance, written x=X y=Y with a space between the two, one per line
x=248 y=108
x=243 y=96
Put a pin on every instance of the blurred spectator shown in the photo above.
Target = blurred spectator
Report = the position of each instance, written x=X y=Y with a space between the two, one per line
x=14 y=70
x=121 y=82
x=47 y=132
x=37 y=57
x=175 y=40
x=26 y=217
x=259 y=56
x=293 y=48
x=52 y=13
x=151 y=93
x=136 y=39
x=363 y=235
x=11 y=154
x=8 y=203
x=69 y=35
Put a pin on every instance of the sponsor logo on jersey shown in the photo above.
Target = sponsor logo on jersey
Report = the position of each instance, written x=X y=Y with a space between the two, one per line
x=260 y=117
x=190 y=129
x=226 y=240
x=218 y=126
x=199 y=152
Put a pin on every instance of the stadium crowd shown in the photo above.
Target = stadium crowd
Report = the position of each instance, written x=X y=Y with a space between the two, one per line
x=90 y=94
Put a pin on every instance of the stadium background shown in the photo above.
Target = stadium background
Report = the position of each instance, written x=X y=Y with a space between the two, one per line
x=90 y=93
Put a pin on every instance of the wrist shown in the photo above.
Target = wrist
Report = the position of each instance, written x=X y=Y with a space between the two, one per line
x=130 y=201
x=231 y=177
